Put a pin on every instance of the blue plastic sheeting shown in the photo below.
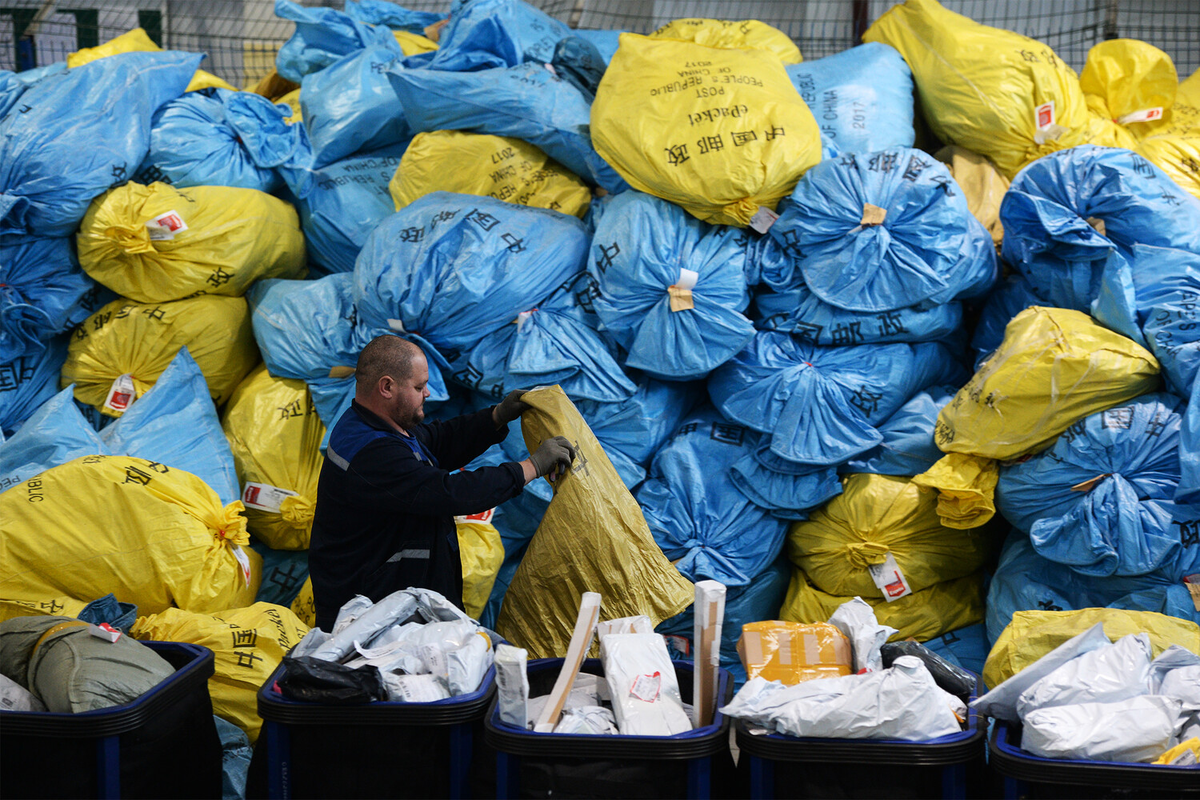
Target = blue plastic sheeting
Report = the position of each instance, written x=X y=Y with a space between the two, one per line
x=350 y=106
x=700 y=520
x=1189 y=450
x=342 y=203
x=14 y=84
x=1053 y=215
x=55 y=434
x=908 y=447
x=633 y=430
x=820 y=405
x=453 y=268
x=397 y=18
x=176 y=425
x=221 y=138
x=758 y=601
x=1011 y=297
x=549 y=344
x=605 y=42
x=483 y=34
x=305 y=328
x=929 y=248
x=789 y=491
x=236 y=753
x=1025 y=581
x=323 y=35
x=862 y=97
x=966 y=647
x=29 y=381
x=75 y=134
x=642 y=246
x=43 y=292
x=1100 y=500
x=525 y=102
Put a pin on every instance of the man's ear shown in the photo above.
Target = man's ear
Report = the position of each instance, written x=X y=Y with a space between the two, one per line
x=386 y=386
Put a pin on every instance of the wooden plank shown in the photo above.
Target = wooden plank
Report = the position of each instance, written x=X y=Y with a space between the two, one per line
x=709 y=611
x=581 y=642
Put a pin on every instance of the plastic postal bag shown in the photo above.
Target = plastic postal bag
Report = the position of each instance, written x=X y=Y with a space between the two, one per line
x=1002 y=95
x=748 y=135
x=493 y=166
x=156 y=243
x=247 y=643
x=322 y=36
x=275 y=435
x=1053 y=367
x=154 y=536
x=1126 y=84
x=138 y=41
x=1133 y=730
x=118 y=353
x=982 y=184
x=46 y=293
x=608 y=544
x=732 y=35
x=643 y=686
x=1112 y=673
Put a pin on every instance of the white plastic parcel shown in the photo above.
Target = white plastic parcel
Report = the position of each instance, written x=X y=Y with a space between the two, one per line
x=1137 y=729
x=1116 y=672
x=642 y=684
x=512 y=685
x=856 y=619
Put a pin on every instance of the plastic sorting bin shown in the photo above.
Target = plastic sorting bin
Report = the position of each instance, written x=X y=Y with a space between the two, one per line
x=774 y=765
x=379 y=749
x=164 y=744
x=695 y=764
x=1027 y=775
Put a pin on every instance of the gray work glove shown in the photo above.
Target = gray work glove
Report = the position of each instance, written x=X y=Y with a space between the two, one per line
x=553 y=457
x=510 y=408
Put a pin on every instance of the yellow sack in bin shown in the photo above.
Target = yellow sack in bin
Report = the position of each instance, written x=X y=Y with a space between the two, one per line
x=412 y=44
x=992 y=91
x=1129 y=82
x=719 y=132
x=792 y=652
x=117 y=354
x=138 y=41
x=922 y=615
x=966 y=489
x=982 y=185
x=1055 y=366
x=156 y=243
x=1032 y=634
x=152 y=535
x=303 y=606
x=48 y=607
x=482 y=553
x=275 y=435
x=247 y=644
x=875 y=521
x=491 y=166
x=593 y=538
x=730 y=34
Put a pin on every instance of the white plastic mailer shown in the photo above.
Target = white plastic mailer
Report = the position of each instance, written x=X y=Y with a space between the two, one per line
x=1001 y=702
x=856 y=619
x=1176 y=673
x=512 y=685
x=1138 y=729
x=1113 y=673
x=642 y=684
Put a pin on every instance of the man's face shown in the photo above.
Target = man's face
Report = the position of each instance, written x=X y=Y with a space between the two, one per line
x=406 y=406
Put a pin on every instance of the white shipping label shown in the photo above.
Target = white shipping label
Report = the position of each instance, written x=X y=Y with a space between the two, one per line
x=243 y=561
x=121 y=394
x=435 y=660
x=264 y=497
x=890 y=579
x=647 y=687
x=1145 y=115
x=482 y=518
x=165 y=226
x=417 y=688
x=763 y=219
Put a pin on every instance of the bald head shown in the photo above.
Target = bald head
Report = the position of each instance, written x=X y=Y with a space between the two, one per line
x=385 y=355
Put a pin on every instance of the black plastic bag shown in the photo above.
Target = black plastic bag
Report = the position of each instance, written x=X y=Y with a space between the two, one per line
x=955 y=680
x=316 y=681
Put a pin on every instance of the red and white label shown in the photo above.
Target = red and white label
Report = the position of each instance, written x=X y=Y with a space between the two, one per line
x=482 y=518
x=889 y=579
x=1045 y=115
x=647 y=687
x=122 y=394
x=104 y=631
x=165 y=226
x=1145 y=115
x=265 y=497
x=243 y=561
